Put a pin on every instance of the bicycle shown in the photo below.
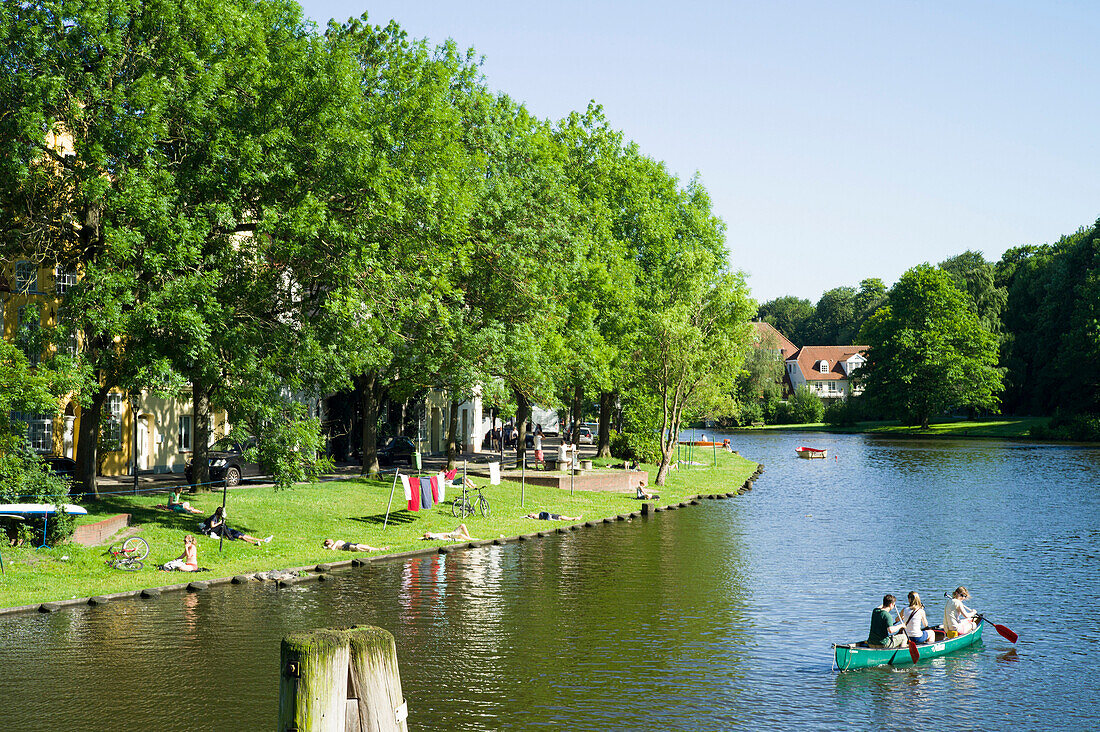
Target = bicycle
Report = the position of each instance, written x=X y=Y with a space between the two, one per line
x=464 y=505
x=128 y=557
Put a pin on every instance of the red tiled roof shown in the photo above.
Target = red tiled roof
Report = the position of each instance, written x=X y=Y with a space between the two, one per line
x=766 y=330
x=808 y=358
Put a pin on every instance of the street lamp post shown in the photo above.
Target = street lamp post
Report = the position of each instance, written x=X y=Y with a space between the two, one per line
x=133 y=399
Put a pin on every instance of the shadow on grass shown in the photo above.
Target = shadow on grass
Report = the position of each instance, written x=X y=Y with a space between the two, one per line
x=401 y=517
x=146 y=515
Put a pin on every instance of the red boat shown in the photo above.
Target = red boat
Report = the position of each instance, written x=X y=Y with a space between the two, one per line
x=811 y=452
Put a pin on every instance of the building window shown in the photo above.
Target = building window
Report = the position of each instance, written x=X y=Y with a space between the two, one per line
x=112 y=436
x=26 y=276
x=823 y=367
x=39 y=430
x=29 y=323
x=63 y=280
x=185 y=433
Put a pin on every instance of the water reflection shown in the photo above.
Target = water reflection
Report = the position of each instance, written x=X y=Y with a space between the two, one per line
x=711 y=617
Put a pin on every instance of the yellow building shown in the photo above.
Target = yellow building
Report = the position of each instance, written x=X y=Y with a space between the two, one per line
x=29 y=297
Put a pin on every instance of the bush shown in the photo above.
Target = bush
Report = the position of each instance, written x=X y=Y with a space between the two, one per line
x=24 y=479
x=802 y=408
x=636 y=446
x=1075 y=428
x=846 y=412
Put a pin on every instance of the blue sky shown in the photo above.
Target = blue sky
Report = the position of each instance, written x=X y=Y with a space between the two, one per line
x=839 y=140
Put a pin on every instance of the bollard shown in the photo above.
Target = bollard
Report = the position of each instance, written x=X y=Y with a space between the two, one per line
x=341 y=681
x=375 y=681
x=646 y=508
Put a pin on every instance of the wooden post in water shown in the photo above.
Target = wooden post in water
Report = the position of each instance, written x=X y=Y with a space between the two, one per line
x=341 y=681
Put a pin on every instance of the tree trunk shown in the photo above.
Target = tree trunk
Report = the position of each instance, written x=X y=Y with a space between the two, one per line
x=578 y=411
x=452 y=434
x=370 y=398
x=668 y=448
x=523 y=411
x=87 y=443
x=668 y=451
x=200 y=461
x=607 y=403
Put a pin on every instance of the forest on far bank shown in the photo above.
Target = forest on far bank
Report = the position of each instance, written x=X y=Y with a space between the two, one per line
x=1029 y=346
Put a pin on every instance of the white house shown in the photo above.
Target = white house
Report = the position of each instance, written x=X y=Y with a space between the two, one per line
x=827 y=370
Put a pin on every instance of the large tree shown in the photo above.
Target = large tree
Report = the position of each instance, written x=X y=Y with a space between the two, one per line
x=977 y=278
x=791 y=316
x=694 y=328
x=928 y=351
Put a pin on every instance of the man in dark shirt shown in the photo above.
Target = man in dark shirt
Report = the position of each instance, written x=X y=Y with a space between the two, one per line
x=882 y=633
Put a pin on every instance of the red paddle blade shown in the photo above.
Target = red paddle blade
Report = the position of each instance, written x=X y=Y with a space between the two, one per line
x=1006 y=633
x=913 y=652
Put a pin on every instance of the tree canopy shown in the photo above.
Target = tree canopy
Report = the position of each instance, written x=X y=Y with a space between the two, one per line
x=928 y=350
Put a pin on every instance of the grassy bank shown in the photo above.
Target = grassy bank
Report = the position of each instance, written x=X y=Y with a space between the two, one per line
x=997 y=427
x=299 y=519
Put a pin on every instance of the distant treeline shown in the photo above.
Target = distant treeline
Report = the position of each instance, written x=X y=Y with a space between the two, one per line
x=1041 y=302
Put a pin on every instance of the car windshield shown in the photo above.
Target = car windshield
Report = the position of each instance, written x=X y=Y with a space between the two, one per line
x=224 y=445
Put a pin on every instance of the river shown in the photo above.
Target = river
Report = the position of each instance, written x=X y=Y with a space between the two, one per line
x=717 y=616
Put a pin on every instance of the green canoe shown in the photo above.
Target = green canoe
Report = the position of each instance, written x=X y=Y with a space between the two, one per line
x=859 y=655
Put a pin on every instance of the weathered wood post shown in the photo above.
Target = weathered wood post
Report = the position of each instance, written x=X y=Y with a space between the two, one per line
x=374 y=683
x=341 y=681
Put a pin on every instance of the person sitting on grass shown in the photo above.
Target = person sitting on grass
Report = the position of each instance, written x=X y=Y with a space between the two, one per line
x=175 y=503
x=459 y=534
x=339 y=545
x=547 y=516
x=214 y=526
x=644 y=495
x=186 y=562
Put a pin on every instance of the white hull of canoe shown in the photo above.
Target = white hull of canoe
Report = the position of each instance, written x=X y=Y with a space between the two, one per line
x=41 y=509
x=809 y=453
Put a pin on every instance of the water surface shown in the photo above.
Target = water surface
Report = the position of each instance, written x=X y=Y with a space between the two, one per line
x=718 y=616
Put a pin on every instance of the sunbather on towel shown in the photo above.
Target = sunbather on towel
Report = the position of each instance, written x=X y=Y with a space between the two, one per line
x=547 y=516
x=459 y=534
x=176 y=504
x=347 y=546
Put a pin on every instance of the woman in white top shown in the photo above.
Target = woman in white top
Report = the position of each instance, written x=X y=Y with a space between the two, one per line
x=916 y=621
x=957 y=617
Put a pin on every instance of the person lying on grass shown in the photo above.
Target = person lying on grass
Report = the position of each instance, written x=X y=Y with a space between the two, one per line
x=346 y=546
x=459 y=534
x=214 y=526
x=547 y=516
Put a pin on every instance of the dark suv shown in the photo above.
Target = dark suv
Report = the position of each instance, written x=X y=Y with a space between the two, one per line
x=227 y=462
x=397 y=450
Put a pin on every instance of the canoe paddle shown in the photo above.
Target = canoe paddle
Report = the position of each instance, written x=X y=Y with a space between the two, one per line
x=1005 y=632
x=913 y=652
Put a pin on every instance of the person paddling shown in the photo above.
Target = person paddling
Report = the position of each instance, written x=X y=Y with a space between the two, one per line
x=884 y=633
x=958 y=619
x=916 y=621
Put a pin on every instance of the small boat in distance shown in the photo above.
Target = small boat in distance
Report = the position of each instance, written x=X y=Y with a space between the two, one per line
x=811 y=452
x=860 y=655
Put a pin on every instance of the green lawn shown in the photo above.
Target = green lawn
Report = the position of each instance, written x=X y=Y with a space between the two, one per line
x=300 y=518
x=996 y=427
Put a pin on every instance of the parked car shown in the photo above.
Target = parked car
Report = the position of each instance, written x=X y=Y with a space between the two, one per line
x=397 y=450
x=584 y=436
x=62 y=467
x=227 y=462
